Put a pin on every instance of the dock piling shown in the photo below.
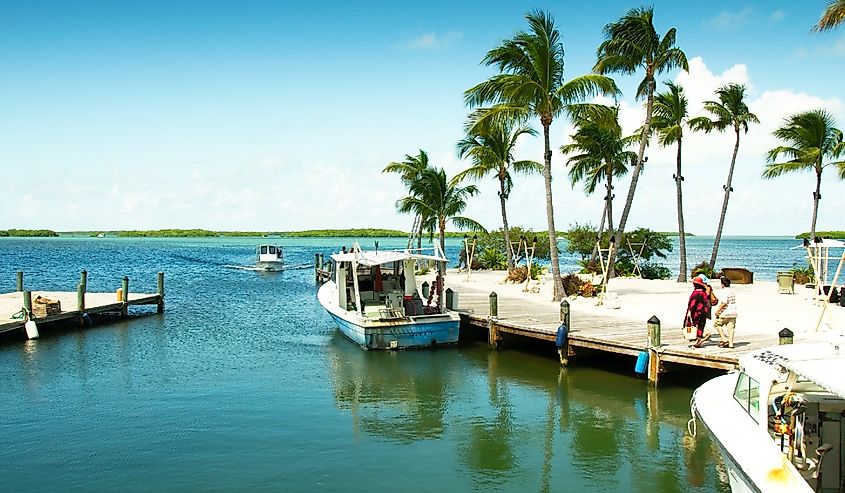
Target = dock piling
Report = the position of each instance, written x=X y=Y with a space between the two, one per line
x=653 y=325
x=27 y=303
x=562 y=333
x=80 y=297
x=83 y=279
x=494 y=304
x=785 y=337
x=19 y=279
x=492 y=330
x=124 y=309
x=160 y=292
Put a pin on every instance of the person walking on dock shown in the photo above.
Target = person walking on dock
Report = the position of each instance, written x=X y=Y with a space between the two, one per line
x=698 y=310
x=725 y=321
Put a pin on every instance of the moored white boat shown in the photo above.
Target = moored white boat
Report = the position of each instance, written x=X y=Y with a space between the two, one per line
x=374 y=301
x=269 y=257
x=779 y=421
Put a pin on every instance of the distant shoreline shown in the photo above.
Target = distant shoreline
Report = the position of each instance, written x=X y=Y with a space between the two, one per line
x=310 y=233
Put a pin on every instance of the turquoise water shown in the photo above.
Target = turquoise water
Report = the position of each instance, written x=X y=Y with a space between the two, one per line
x=245 y=385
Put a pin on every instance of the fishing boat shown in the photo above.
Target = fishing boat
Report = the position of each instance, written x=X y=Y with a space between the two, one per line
x=269 y=258
x=374 y=300
x=779 y=421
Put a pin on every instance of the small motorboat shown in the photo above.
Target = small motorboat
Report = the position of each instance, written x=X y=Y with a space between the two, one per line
x=269 y=258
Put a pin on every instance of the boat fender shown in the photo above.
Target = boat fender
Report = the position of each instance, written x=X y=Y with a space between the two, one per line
x=31 y=330
x=562 y=335
x=86 y=319
x=642 y=363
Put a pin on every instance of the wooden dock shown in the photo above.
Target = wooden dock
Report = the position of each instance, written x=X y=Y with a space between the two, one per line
x=510 y=317
x=17 y=307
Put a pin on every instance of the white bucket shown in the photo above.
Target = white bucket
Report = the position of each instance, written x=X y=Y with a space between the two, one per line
x=31 y=330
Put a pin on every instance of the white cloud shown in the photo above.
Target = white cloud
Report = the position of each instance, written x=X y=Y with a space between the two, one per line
x=728 y=20
x=777 y=15
x=432 y=40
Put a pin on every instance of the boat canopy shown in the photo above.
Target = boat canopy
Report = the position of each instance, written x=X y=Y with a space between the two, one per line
x=820 y=363
x=382 y=257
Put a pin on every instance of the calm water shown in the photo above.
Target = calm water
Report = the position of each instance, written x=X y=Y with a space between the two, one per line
x=244 y=385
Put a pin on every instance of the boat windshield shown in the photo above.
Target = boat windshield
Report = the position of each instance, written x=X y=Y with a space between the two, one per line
x=271 y=250
x=747 y=394
x=263 y=249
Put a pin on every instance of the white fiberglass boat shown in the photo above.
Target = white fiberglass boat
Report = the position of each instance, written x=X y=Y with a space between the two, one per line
x=374 y=301
x=779 y=422
x=269 y=257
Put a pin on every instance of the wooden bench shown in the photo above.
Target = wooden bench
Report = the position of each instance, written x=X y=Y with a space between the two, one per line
x=738 y=275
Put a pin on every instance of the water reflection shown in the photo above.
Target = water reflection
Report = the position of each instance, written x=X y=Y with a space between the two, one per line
x=395 y=396
x=520 y=420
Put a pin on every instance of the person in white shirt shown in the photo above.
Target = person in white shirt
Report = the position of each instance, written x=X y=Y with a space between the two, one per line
x=725 y=321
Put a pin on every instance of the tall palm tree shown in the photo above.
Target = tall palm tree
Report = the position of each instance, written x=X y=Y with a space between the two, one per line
x=410 y=171
x=730 y=111
x=833 y=15
x=491 y=150
x=530 y=84
x=811 y=138
x=630 y=44
x=433 y=196
x=600 y=154
x=670 y=117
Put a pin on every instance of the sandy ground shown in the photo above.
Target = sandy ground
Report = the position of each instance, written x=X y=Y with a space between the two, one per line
x=761 y=309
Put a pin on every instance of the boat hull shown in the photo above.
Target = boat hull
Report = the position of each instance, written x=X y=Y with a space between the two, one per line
x=753 y=463
x=272 y=266
x=409 y=333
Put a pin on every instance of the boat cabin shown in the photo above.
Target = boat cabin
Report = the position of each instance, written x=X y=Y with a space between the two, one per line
x=269 y=257
x=382 y=285
x=799 y=399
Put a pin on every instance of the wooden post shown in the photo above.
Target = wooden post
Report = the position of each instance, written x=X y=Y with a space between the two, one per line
x=19 y=279
x=563 y=346
x=564 y=312
x=492 y=331
x=160 y=283
x=124 y=310
x=653 y=325
x=80 y=298
x=494 y=304
x=83 y=279
x=785 y=337
x=27 y=303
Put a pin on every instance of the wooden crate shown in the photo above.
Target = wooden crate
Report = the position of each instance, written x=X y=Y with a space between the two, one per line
x=42 y=307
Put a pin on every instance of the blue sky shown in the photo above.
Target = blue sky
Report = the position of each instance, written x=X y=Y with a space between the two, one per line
x=280 y=116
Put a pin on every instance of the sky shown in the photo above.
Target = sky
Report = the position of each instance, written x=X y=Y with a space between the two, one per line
x=276 y=116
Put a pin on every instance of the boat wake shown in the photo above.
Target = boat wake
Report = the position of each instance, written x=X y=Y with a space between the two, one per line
x=256 y=269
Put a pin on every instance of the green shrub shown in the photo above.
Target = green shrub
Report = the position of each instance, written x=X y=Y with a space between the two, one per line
x=703 y=268
x=493 y=259
x=802 y=275
x=571 y=284
x=654 y=271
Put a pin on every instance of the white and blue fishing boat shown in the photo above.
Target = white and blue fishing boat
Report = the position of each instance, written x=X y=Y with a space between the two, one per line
x=269 y=258
x=374 y=300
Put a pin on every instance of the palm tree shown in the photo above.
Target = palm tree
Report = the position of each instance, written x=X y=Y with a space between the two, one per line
x=630 y=44
x=600 y=153
x=730 y=111
x=435 y=197
x=833 y=15
x=410 y=170
x=670 y=117
x=812 y=138
x=530 y=84
x=491 y=150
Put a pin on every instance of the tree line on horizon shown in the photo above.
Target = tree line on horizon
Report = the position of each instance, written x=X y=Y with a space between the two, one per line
x=530 y=85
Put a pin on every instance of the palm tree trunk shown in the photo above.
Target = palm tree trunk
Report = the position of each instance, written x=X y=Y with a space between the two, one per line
x=682 y=239
x=635 y=176
x=598 y=238
x=508 y=248
x=724 y=203
x=550 y=213
x=441 y=266
x=609 y=204
x=817 y=196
